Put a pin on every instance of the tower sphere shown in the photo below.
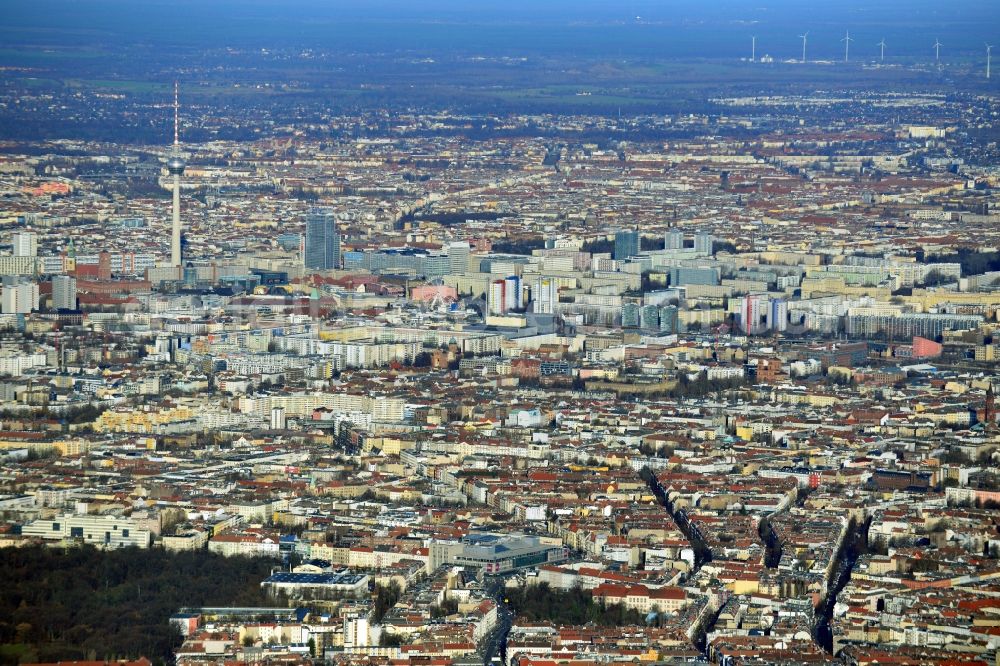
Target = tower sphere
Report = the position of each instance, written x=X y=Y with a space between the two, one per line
x=175 y=166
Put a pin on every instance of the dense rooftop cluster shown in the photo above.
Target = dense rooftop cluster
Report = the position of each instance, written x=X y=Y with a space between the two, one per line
x=727 y=395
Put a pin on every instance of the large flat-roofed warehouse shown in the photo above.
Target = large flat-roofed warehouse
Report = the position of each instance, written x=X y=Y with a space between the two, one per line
x=497 y=554
x=316 y=585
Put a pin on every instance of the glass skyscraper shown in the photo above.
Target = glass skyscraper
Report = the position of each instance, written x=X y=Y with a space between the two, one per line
x=322 y=246
x=626 y=244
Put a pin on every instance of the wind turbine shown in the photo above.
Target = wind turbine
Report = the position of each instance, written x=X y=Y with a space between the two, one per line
x=989 y=53
x=753 y=49
x=937 y=50
x=882 y=44
x=847 y=45
x=803 y=38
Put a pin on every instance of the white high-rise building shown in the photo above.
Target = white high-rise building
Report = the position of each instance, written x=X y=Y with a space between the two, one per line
x=26 y=244
x=357 y=633
x=19 y=298
x=545 y=295
x=703 y=243
x=496 y=298
x=754 y=309
x=63 y=292
x=673 y=240
x=278 y=420
x=777 y=315
x=513 y=296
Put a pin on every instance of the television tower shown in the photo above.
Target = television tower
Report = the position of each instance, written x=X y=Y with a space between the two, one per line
x=175 y=167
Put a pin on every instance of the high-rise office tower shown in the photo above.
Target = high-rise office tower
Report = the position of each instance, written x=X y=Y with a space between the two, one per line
x=63 y=292
x=626 y=244
x=175 y=167
x=458 y=258
x=322 y=245
x=26 y=244
x=673 y=240
x=703 y=243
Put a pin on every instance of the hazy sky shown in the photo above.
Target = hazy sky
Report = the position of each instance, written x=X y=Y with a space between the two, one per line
x=678 y=28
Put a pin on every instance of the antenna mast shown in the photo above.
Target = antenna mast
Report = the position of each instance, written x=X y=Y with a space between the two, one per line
x=177 y=115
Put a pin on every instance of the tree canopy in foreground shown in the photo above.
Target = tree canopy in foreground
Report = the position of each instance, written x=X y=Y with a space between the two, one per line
x=82 y=603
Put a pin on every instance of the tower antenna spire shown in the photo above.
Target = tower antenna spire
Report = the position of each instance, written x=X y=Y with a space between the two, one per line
x=177 y=114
